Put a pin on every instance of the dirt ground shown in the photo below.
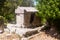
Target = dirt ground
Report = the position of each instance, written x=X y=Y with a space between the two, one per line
x=51 y=34
x=43 y=36
x=8 y=36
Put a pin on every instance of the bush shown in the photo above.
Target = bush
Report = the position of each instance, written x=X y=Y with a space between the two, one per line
x=49 y=11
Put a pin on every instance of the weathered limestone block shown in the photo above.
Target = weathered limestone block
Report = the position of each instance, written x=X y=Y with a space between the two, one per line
x=30 y=33
x=11 y=28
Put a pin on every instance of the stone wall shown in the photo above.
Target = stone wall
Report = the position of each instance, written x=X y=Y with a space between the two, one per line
x=27 y=19
x=24 y=20
x=35 y=22
x=20 y=19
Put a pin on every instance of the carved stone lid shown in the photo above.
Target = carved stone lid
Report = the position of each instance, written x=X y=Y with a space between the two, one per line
x=27 y=9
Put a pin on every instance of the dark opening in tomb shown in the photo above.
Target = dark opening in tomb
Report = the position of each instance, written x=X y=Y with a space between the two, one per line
x=32 y=18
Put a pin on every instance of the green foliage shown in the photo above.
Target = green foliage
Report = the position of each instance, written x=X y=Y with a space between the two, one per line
x=7 y=9
x=48 y=9
x=10 y=6
x=2 y=20
x=27 y=3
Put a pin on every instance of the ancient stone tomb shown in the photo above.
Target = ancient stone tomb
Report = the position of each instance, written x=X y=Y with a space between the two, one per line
x=25 y=16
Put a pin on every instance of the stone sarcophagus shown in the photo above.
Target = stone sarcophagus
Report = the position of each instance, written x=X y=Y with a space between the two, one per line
x=25 y=16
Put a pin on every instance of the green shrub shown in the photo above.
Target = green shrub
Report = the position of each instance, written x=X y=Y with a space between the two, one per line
x=49 y=11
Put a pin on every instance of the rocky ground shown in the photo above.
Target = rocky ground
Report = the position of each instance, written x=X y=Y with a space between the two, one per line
x=43 y=36
x=38 y=36
x=8 y=36
x=51 y=34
